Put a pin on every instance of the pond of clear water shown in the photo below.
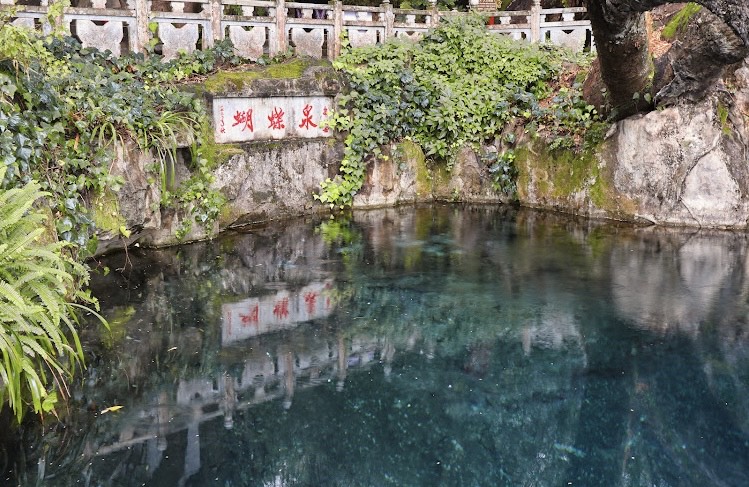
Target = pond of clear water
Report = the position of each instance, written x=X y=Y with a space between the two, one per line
x=435 y=346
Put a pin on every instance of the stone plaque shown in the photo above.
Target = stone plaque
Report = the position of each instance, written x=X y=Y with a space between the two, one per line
x=249 y=119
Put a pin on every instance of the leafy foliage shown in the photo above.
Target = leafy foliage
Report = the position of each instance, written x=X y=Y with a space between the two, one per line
x=39 y=285
x=63 y=108
x=459 y=85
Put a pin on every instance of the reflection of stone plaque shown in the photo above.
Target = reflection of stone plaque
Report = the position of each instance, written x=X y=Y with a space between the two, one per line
x=284 y=309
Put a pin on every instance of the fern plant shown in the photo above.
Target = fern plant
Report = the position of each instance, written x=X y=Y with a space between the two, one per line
x=40 y=295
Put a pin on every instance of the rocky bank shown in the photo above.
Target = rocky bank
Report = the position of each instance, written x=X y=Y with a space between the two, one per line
x=683 y=165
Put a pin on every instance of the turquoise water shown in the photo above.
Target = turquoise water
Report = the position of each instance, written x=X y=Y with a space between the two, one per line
x=438 y=346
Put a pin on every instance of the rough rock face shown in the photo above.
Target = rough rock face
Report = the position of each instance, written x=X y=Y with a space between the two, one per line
x=388 y=183
x=686 y=165
x=275 y=180
x=683 y=165
x=405 y=178
x=695 y=62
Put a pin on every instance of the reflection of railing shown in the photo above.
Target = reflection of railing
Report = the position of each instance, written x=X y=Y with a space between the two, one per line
x=258 y=27
x=264 y=377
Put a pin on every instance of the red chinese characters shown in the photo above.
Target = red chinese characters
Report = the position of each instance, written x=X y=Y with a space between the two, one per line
x=250 y=318
x=307 y=120
x=325 y=115
x=244 y=118
x=281 y=309
x=310 y=300
x=276 y=119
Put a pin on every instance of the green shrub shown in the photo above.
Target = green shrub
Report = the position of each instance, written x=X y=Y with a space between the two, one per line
x=40 y=288
x=63 y=107
x=460 y=85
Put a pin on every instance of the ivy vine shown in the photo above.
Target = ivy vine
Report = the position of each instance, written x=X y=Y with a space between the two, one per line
x=63 y=109
x=459 y=85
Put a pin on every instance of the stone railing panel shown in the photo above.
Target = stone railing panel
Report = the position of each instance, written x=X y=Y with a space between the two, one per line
x=311 y=30
x=258 y=27
x=101 y=24
x=566 y=27
x=250 y=25
x=411 y=24
x=364 y=26
x=181 y=25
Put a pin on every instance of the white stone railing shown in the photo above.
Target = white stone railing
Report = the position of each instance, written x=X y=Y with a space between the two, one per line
x=258 y=27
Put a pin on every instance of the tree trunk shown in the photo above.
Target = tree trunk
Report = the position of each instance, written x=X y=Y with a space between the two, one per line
x=623 y=54
x=621 y=37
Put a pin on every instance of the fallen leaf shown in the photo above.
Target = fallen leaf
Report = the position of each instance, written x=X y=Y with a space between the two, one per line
x=111 y=409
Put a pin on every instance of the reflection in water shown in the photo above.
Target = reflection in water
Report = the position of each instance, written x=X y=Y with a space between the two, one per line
x=256 y=316
x=433 y=346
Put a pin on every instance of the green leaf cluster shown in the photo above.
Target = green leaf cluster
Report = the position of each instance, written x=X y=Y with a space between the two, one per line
x=64 y=109
x=40 y=288
x=459 y=85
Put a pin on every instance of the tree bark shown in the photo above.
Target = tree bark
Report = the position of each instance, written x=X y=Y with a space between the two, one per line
x=694 y=65
x=621 y=37
x=623 y=55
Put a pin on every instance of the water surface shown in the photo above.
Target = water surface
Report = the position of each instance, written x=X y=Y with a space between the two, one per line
x=438 y=346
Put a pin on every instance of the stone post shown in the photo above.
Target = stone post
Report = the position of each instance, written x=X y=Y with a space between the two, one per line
x=57 y=22
x=337 y=28
x=141 y=33
x=535 y=21
x=389 y=20
x=434 y=16
x=281 y=34
x=216 y=13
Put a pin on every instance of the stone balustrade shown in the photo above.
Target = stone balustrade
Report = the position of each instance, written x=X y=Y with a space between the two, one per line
x=258 y=27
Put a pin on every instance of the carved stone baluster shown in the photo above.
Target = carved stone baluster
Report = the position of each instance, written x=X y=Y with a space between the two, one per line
x=248 y=43
x=177 y=39
x=103 y=37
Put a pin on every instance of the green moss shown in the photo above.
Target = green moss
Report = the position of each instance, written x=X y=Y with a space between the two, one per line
x=226 y=216
x=288 y=70
x=723 y=118
x=412 y=154
x=573 y=171
x=105 y=213
x=225 y=81
x=680 y=21
x=215 y=153
x=558 y=175
x=118 y=321
x=440 y=181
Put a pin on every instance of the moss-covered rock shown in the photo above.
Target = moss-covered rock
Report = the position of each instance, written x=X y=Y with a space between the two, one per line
x=224 y=81
x=679 y=21
x=412 y=154
x=106 y=214
x=567 y=181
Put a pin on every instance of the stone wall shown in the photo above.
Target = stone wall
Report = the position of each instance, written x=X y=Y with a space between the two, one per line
x=684 y=165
